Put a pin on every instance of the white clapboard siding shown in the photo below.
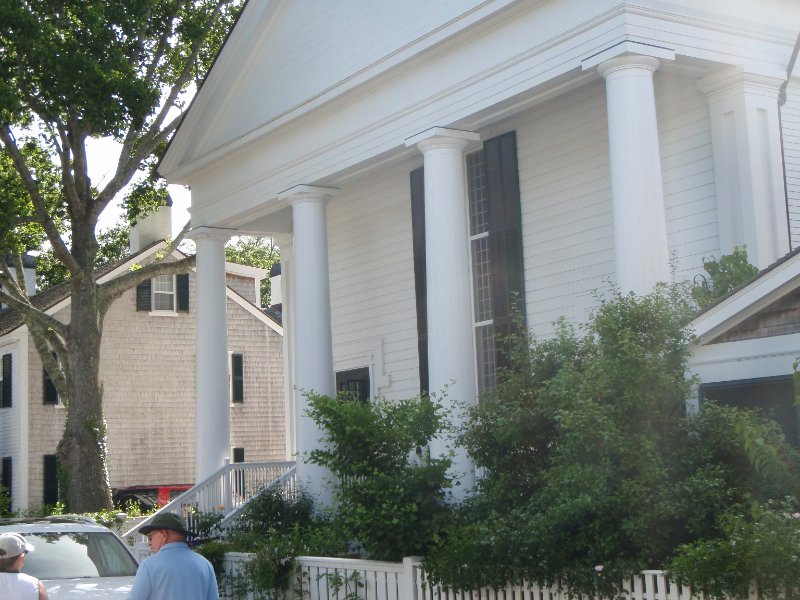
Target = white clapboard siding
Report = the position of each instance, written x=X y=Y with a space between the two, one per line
x=372 y=274
x=790 y=120
x=566 y=203
x=687 y=168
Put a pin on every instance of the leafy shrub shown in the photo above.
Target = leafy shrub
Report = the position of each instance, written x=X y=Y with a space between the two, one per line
x=725 y=275
x=389 y=502
x=760 y=546
x=593 y=472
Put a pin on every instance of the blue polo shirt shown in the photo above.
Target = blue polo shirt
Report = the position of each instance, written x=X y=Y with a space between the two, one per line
x=175 y=573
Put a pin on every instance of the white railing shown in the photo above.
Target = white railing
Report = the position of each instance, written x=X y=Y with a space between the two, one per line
x=225 y=491
x=344 y=579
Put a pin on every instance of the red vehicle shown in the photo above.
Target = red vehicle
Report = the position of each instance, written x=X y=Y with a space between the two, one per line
x=149 y=496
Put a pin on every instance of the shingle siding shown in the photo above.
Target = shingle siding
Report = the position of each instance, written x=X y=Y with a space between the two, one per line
x=148 y=375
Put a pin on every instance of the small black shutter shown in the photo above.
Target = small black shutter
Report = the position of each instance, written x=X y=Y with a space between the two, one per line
x=5 y=391
x=50 y=479
x=144 y=295
x=505 y=240
x=182 y=283
x=238 y=455
x=50 y=391
x=420 y=286
x=237 y=378
x=7 y=476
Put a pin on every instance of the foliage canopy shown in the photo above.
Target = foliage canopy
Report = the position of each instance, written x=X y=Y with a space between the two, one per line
x=71 y=71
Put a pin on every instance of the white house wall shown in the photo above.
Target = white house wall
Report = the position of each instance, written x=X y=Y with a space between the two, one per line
x=566 y=215
x=790 y=121
x=13 y=423
x=372 y=278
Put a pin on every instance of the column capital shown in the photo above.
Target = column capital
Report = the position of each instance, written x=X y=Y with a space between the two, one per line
x=306 y=193
x=211 y=233
x=740 y=78
x=628 y=61
x=438 y=137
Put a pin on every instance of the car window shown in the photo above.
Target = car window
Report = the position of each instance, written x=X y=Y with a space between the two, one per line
x=70 y=555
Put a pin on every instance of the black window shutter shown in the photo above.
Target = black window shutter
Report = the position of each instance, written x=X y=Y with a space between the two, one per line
x=237 y=378
x=505 y=240
x=182 y=284
x=50 y=391
x=7 y=476
x=420 y=287
x=50 y=479
x=7 y=386
x=144 y=295
x=238 y=455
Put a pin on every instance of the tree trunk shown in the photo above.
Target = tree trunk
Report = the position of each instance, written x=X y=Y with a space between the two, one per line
x=82 y=449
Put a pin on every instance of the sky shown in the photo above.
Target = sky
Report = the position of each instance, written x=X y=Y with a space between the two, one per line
x=102 y=157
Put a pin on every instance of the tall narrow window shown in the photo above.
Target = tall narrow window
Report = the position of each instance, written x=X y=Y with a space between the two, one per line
x=496 y=252
x=237 y=378
x=50 y=480
x=495 y=232
x=6 y=388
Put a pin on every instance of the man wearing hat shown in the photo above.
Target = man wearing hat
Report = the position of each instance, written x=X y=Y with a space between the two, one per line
x=13 y=584
x=172 y=572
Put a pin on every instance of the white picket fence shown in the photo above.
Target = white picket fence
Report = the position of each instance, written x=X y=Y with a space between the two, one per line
x=349 y=579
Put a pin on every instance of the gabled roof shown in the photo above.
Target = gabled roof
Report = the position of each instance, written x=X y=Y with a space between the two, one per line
x=52 y=298
x=48 y=299
x=770 y=285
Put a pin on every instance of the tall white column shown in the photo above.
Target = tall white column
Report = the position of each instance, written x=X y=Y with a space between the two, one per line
x=745 y=130
x=212 y=412
x=451 y=356
x=311 y=304
x=640 y=233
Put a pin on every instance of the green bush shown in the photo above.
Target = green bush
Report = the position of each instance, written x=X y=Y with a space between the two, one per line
x=724 y=275
x=593 y=472
x=759 y=546
x=391 y=503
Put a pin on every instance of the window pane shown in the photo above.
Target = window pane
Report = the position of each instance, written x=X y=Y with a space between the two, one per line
x=484 y=345
x=164 y=283
x=482 y=281
x=164 y=292
x=478 y=202
x=60 y=555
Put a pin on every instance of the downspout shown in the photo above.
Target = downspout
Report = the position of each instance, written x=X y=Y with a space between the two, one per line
x=781 y=102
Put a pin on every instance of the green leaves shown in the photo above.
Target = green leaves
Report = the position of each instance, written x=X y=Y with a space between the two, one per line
x=725 y=274
x=390 y=501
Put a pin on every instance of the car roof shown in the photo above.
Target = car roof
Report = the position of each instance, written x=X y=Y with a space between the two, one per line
x=52 y=524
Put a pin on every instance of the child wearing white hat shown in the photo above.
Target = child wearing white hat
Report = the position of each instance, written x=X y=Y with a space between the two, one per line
x=13 y=584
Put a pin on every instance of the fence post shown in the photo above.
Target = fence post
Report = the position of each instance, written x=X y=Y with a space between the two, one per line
x=408 y=578
x=227 y=494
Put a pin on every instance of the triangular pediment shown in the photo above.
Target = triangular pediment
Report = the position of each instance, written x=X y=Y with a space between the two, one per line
x=769 y=305
x=285 y=57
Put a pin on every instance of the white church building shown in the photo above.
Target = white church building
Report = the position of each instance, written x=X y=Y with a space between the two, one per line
x=429 y=168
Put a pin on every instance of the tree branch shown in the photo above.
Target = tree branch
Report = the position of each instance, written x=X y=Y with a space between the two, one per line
x=45 y=220
x=111 y=290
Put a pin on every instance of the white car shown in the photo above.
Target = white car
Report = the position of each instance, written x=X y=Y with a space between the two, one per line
x=75 y=557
